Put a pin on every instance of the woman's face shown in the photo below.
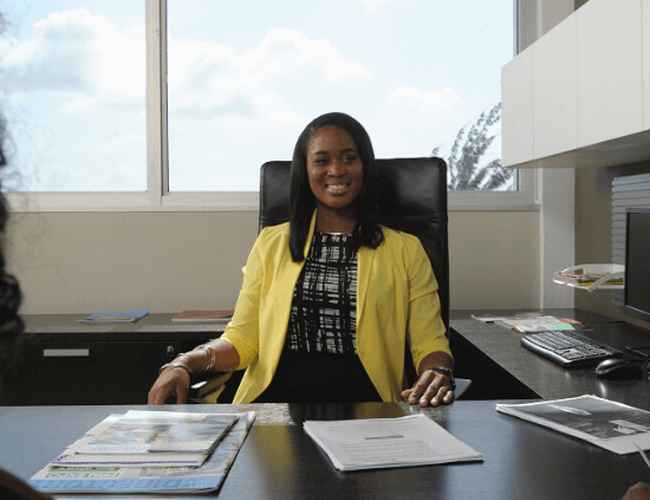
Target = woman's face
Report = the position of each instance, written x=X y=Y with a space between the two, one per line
x=334 y=168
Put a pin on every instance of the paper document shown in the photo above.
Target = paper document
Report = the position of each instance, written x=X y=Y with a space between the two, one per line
x=608 y=424
x=208 y=477
x=387 y=442
x=539 y=324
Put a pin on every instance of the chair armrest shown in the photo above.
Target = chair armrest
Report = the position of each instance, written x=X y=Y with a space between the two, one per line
x=208 y=390
x=462 y=384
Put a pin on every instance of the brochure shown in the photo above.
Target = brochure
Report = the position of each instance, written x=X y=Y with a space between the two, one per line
x=105 y=316
x=58 y=479
x=148 y=438
x=387 y=442
x=611 y=425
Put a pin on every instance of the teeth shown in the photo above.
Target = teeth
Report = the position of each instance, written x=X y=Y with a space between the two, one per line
x=336 y=188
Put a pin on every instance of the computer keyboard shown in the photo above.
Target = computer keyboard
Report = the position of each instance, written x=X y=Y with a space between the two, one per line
x=568 y=349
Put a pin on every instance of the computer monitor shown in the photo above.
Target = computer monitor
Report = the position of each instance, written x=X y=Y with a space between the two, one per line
x=637 y=262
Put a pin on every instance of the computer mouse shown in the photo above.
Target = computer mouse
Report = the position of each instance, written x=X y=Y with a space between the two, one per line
x=621 y=369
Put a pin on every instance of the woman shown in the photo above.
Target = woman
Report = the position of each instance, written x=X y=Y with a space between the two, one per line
x=331 y=299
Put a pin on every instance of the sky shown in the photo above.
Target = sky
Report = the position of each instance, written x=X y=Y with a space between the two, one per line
x=244 y=78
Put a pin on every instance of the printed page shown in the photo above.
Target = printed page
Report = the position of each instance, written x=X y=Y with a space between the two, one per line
x=388 y=442
x=608 y=424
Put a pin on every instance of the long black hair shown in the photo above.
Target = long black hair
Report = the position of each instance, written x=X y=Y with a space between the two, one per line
x=10 y=297
x=302 y=201
x=11 y=325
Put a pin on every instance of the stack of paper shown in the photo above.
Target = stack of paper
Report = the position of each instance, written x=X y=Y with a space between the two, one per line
x=203 y=316
x=388 y=442
x=105 y=316
x=538 y=324
x=608 y=424
x=149 y=452
x=152 y=439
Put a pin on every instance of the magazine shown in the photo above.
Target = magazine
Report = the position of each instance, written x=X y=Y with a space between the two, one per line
x=106 y=316
x=208 y=477
x=611 y=425
x=387 y=442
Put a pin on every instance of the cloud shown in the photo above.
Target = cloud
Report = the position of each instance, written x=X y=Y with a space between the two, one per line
x=207 y=77
x=374 y=5
x=76 y=51
x=426 y=101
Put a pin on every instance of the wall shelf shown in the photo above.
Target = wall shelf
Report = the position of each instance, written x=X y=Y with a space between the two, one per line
x=592 y=277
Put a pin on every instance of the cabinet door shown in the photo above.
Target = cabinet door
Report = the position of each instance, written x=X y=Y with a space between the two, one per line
x=610 y=71
x=555 y=96
x=517 y=111
x=72 y=372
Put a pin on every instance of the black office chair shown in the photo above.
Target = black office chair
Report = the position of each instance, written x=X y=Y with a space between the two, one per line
x=413 y=198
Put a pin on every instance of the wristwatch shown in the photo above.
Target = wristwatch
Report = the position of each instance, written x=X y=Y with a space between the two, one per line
x=447 y=372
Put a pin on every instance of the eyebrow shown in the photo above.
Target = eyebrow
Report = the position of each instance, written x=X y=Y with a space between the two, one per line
x=347 y=150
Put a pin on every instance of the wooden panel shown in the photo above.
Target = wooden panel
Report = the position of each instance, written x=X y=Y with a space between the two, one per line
x=609 y=70
x=517 y=112
x=555 y=90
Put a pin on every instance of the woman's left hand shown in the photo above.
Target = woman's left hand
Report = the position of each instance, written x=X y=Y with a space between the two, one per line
x=432 y=389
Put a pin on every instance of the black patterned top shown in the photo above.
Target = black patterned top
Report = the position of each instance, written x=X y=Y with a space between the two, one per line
x=319 y=363
x=323 y=310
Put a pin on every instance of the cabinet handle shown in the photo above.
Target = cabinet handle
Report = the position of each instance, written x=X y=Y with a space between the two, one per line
x=66 y=353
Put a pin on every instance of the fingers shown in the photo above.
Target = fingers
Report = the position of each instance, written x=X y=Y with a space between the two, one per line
x=182 y=391
x=420 y=386
x=170 y=381
x=431 y=389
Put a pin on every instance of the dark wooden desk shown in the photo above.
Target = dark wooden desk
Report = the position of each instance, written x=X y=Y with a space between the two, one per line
x=484 y=348
x=61 y=361
x=279 y=461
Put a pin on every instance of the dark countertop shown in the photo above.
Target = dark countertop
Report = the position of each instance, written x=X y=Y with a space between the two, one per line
x=279 y=461
x=548 y=380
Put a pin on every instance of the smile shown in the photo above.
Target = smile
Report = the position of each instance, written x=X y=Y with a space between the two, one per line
x=337 y=188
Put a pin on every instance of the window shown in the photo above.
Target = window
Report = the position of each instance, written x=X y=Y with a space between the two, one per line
x=245 y=77
x=73 y=90
x=227 y=86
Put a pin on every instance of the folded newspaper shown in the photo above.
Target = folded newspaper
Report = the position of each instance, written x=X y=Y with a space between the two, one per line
x=611 y=425
x=387 y=442
x=150 y=475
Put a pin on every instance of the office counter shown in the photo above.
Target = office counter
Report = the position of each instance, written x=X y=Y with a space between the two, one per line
x=516 y=372
x=279 y=461
x=94 y=364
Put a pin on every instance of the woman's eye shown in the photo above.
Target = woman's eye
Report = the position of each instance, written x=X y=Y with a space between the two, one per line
x=349 y=158
x=320 y=161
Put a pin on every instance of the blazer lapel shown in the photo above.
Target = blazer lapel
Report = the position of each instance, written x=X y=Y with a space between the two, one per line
x=365 y=259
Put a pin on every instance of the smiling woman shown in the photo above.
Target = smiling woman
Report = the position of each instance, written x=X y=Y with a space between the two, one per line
x=318 y=318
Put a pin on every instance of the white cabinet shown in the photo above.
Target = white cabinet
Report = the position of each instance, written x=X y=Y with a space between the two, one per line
x=646 y=63
x=580 y=95
x=517 y=111
x=555 y=90
x=610 y=70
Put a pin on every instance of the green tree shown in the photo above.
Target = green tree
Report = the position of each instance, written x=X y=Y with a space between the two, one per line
x=464 y=171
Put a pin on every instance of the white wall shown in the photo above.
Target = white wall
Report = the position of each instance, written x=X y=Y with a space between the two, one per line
x=78 y=262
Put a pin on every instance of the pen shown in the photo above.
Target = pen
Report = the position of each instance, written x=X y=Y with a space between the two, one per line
x=643 y=455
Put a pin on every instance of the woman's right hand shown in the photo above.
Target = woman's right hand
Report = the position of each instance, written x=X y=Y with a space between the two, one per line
x=172 y=380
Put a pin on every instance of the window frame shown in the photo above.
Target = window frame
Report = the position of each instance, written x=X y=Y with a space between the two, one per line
x=158 y=197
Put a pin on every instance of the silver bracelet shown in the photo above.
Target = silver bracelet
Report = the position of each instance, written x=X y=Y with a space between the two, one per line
x=211 y=355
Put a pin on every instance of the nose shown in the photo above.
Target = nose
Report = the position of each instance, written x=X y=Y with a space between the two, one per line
x=337 y=167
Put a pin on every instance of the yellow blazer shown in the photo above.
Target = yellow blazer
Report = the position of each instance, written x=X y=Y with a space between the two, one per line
x=396 y=297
